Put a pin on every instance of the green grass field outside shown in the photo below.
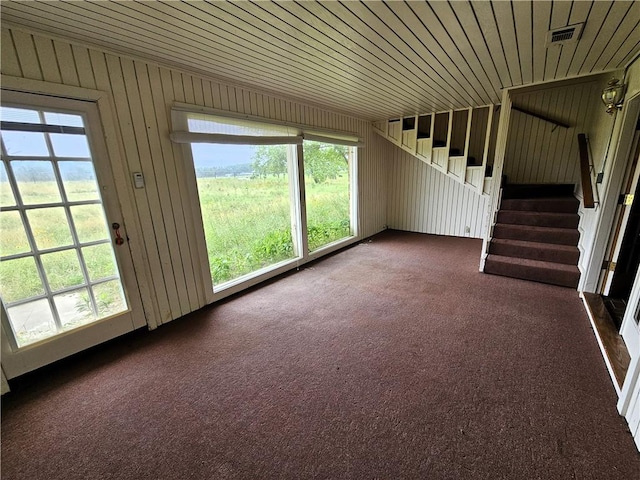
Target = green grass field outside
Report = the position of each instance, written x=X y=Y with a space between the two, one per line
x=247 y=226
x=19 y=277
x=247 y=221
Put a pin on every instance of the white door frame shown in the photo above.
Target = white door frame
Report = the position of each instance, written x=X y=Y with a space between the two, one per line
x=624 y=130
x=122 y=179
x=21 y=360
x=629 y=400
x=622 y=216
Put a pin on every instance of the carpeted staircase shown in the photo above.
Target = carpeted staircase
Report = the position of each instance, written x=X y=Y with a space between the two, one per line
x=536 y=236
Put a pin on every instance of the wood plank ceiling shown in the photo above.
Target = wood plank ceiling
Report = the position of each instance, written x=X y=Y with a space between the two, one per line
x=371 y=59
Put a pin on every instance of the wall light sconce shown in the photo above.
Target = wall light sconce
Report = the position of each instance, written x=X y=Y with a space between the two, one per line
x=612 y=95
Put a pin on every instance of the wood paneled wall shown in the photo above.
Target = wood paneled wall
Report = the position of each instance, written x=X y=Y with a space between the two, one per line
x=600 y=129
x=143 y=93
x=422 y=199
x=459 y=130
x=536 y=151
x=478 y=133
x=441 y=127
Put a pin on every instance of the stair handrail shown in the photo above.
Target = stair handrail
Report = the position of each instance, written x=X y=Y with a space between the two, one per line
x=585 y=172
x=556 y=123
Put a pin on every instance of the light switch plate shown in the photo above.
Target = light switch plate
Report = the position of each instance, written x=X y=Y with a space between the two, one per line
x=138 y=180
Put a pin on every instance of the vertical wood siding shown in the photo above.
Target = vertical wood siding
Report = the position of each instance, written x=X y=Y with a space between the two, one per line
x=441 y=127
x=600 y=129
x=536 y=151
x=422 y=199
x=459 y=130
x=143 y=93
x=478 y=133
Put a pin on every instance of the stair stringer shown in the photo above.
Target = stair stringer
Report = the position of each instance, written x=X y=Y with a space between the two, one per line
x=438 y=157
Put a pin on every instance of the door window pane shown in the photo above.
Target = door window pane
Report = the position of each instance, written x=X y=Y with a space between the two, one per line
x=246 y=206
x=75 y=308
x=19 y=279
x=25 y=144
x=99 y=261
x=31 y=321
x=90 y=222
x=50 y=227
x=62 y=269
x=327 y=190
x=21 y=115
x=36 y=182
x=13 y=238
x=66 y=119
x=7 y=199
x=109 y=298
x=67 y=145
x=79 y=180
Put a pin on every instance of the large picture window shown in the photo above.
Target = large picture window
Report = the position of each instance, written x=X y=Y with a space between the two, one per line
x=245 y=201
x=328 y=192
x=267 y=195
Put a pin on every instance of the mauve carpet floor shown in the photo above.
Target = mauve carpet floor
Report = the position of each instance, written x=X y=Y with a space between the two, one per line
x=395 y=359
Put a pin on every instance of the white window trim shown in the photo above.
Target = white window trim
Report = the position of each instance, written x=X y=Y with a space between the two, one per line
x=316 y=134
x=180 y=133
x=194 y=137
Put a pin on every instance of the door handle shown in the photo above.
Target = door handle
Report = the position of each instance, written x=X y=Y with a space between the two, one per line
x=116 y=227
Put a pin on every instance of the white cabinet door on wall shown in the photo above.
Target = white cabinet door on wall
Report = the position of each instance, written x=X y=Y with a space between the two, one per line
x=66 y=273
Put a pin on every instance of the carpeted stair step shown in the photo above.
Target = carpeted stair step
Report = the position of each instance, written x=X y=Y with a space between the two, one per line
x=538 y=190
x=540 y=219
x=536 y=270
x=558 y=236
x=553 y=204
x=546 y=252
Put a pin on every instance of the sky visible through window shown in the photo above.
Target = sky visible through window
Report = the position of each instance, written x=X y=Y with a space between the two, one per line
x=218 y=155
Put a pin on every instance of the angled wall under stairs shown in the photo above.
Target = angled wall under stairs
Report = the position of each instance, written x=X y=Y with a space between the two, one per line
x=536 y=235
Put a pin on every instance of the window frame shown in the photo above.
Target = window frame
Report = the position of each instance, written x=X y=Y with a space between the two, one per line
x=351 y=172
x=181 y=137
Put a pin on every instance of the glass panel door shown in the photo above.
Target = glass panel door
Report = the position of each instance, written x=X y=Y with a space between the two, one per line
x=327 y=179
x=58 y=270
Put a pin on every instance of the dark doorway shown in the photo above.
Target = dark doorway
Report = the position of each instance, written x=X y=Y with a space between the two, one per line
x=629 y=256
x=626 y=266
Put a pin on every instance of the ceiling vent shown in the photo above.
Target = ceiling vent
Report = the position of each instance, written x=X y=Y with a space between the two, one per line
x=564 y=35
